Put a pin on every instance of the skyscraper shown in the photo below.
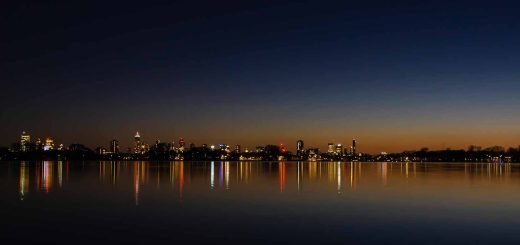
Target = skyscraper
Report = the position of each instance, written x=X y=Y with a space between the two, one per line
x=49 y=144
x=181 y=142
x=237 y=149
x=330 y=148
x=299 y=147
x=25 y=139
x=354 y=147
x=39 y=145
x=114 y=146
x=339 y=149
x=137 y=143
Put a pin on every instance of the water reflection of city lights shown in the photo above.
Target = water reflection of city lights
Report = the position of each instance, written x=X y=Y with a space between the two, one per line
x=339 y=177
x=49 y=176
x=281 y=175
x=24 y=180
x=212 y=175
x=226 y=176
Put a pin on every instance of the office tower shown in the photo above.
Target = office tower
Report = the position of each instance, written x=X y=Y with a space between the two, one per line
x=330 y=148
x=299 y=148
x=49 y=144
x=354 y=147
x=313 y=154
x=339 y=149
x=237 y=149
x=25 y=139
x=192 y=145
x=181 y=144
x=39 y=145
x=137 y=143
x=114 y=146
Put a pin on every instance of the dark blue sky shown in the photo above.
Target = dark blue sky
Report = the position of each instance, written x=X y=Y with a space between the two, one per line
x=395 y=75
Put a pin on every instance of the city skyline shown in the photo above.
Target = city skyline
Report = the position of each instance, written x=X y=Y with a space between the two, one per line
x=253 y=72
x=138 y=144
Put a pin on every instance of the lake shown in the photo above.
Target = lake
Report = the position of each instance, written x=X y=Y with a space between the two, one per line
x=259 y=202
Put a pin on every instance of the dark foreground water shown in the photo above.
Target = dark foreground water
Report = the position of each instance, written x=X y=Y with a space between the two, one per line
x=258 y=202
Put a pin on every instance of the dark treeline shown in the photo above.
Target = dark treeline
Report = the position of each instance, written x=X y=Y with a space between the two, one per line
x=266 y=153
x=472 y=154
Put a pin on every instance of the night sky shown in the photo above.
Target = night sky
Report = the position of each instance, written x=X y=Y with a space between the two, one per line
x=395 y=75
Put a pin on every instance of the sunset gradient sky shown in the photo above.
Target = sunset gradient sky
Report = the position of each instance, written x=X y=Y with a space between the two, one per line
x=395 y=75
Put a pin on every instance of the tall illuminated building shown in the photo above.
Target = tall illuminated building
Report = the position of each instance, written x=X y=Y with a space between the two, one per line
x=181 y=144
x=237 y=149
x=114 y=146
x=330 y=148
x=354 y=147
x=299 y=148
x=339 y=149
x=49 y=144
x=25 y=139
x=39 y=145
x=137 y=143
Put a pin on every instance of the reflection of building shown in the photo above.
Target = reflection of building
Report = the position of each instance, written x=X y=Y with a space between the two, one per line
x=46 y=176
x=114 y=146
x=25 y=139
x=24 y=180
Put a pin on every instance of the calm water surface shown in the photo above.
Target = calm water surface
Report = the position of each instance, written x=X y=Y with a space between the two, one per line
x=259 y=202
